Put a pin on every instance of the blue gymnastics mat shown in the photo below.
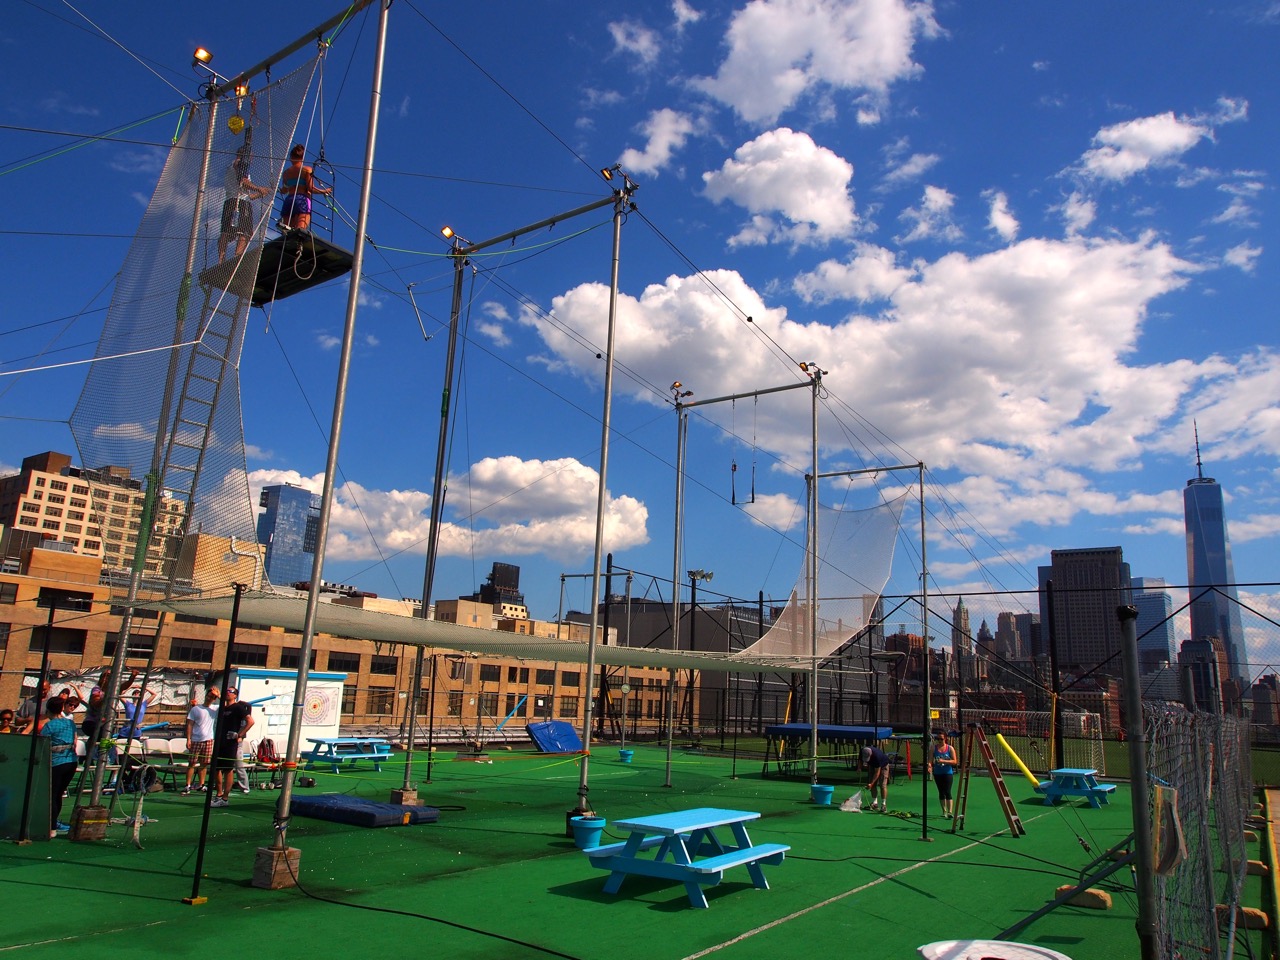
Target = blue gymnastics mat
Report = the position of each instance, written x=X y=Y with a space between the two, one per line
x=341 y=808
x=555 y=736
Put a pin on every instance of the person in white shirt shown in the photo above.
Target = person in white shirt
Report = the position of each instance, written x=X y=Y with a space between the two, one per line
x=201 y=720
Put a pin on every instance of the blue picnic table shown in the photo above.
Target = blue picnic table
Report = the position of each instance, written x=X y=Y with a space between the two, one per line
x=1075 y=782
x=336 y=751
x=682 y=838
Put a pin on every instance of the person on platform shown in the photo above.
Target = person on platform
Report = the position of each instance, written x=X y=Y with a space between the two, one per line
x=943 y=767
x=235 y=718
x=201 y=719
x=6 y=722
x=298 y=185
x=237 y=209
x=877 y=763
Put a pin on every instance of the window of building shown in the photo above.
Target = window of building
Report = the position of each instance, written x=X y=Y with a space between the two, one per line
x=569 y=707
x=383 y=666
x=93 y=544
x=249 y=654
x=138 y=614
x=30 y=507
x=4 y=635
x=511 y=709
x=517 y=674
x=570 y=678
x=349 y=699
x=120 y=497
x=76 y=600
x=73 y=528
x=140 y=647
x=39 y=481
x=190 y=650
x=61 y=640
x=487 y=705
x=82 y=490
x=53 y=511
x=27 y=521
x=57 y=498
x=460 y=670
x=51 y=525
x=291 y=658
x=8 y=592
x=545 y=677
x=454 y=707
x=37 y=494
x=58 y=485
x=344 y=662
x=380 y=700
x=490 y=672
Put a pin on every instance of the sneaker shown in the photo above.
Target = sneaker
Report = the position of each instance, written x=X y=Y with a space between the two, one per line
x=63 y=827
x=217 y=802
x=185 y=792
x=244 y=789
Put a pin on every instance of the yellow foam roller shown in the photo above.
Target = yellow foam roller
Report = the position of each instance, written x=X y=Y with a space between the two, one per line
x=1018 y=760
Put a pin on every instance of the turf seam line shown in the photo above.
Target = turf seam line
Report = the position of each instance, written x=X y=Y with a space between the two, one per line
x=841 y=896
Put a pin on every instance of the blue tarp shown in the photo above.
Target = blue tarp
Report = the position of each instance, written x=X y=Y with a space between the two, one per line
x=555 y=736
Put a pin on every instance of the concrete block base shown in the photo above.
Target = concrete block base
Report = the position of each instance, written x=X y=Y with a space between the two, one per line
x=275 y=869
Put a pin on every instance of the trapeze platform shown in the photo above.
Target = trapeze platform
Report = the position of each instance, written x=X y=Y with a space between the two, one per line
x=289 y=264
x=787 y=745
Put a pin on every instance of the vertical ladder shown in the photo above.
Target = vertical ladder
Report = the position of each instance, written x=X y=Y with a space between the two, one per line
x=976 y=735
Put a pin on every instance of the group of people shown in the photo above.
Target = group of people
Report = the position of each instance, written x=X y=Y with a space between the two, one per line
x=215 y=736
x=215 y=739
x=941 y=763
x=298 y=185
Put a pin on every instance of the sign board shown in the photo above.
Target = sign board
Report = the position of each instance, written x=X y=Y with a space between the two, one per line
x=321 y=708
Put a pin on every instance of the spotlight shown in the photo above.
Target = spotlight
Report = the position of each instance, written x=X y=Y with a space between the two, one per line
x=447 y=232
x=242 y=89
x=607 y=172
x=201 y=56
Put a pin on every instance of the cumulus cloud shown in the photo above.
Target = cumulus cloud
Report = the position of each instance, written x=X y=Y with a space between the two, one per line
x=1018 y=364
x=785 y=172
x=665 y=132
x=521 y=507
x=870 y=273
x=932 y=219
x=1000 y=219
x=1132 y=146
x=1078 y=212
x=781 y=50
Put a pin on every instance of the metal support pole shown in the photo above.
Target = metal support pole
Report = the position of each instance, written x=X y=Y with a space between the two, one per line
x=1135 y=733
x=290 y=766
x=927 y=721
x=24 y=826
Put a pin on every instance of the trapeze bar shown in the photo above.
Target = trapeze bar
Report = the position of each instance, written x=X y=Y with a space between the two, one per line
x=288 y=264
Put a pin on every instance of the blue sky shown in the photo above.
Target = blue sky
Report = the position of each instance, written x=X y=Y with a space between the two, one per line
x=1028 y=243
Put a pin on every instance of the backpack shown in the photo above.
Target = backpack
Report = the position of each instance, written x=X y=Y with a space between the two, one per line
x=267 y=752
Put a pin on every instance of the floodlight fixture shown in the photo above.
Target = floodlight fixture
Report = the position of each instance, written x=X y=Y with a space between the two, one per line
x=201 y=56
x=608 y=172
x=242 y=89
x=447 y=232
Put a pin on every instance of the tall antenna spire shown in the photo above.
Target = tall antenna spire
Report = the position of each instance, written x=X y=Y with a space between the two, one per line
x=1199 y=469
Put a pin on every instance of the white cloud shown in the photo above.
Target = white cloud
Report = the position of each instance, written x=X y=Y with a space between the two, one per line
x=1239 y=212
x=911 y=169
x=403 y=110
x=780 y=50
x=684 y=14
x=522 y=507
x=634 y=38
x=1078 y=212
x=1000 y=219
x=783 y=171
x=1017 y=367
x=1132 y=146
x=870 y=273
x=666 y=131
x=777 y=511
x=932 y=218
x=327 y=341
x=148 y=162
x=1242 y=255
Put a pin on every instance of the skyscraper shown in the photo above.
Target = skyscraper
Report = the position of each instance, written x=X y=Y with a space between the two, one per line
x=1155 y=622
x=1215 y=608
x=1088 y=585
x=287 y=528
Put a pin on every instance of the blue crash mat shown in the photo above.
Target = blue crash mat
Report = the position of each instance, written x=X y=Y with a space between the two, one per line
x=341 y=808
x=555 y=736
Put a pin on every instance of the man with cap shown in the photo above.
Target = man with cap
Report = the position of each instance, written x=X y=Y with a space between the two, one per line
x=234 y=720
x=877 y=763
